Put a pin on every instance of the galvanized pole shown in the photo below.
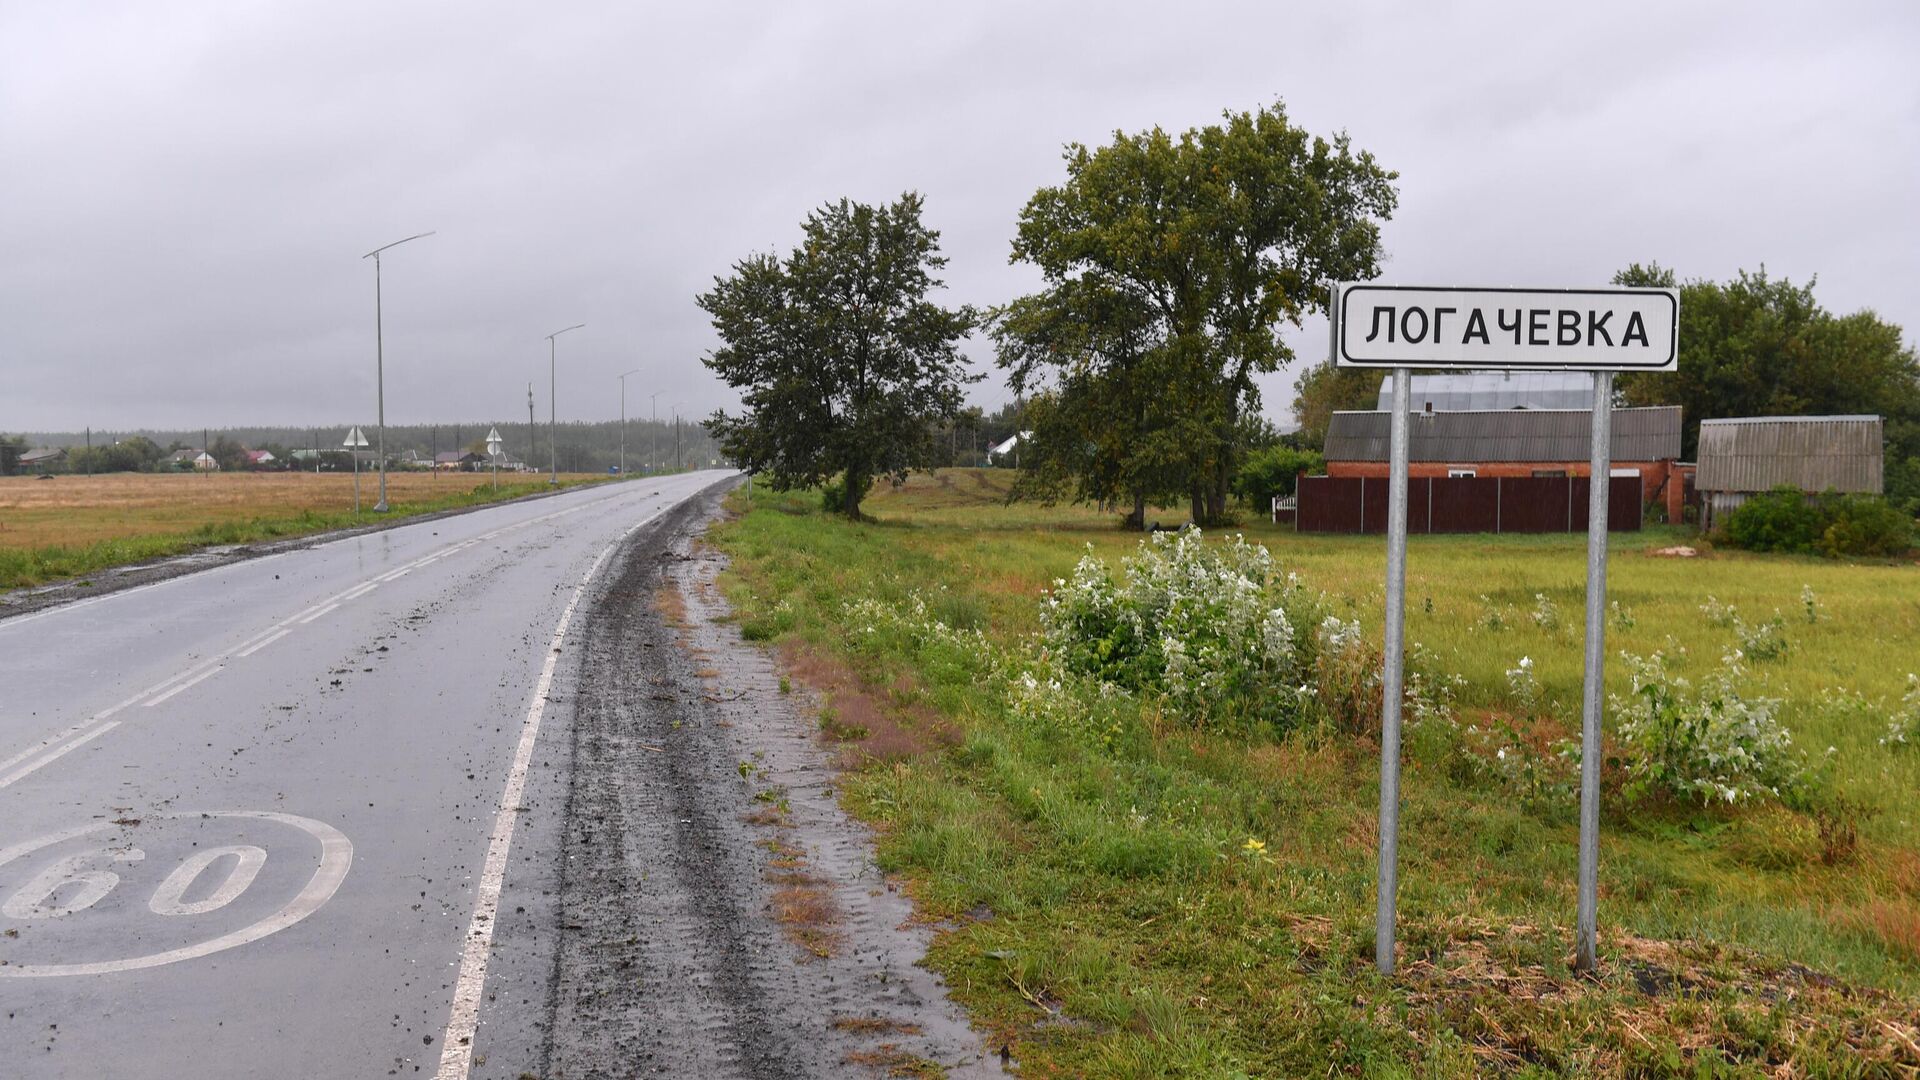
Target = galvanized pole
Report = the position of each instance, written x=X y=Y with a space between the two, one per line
x=553 y=455
x=380 y=372
x=1596 y=659
x=1392 y=680
x=623 y=420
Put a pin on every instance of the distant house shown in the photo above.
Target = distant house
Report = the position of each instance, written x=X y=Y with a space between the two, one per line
x=1516 y=442
x=43 y=458
x=260 y=459
x=457 y=460
x=1009 y=449
x=1743 y=456
x=192 y=459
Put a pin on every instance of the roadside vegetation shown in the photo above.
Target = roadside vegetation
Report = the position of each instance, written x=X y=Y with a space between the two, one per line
x=72 y=526
x=1143 y=804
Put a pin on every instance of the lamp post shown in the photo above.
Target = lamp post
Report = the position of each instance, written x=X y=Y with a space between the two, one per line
x=623 y=420
x=553 y=455
x=653 y=415
x=380 y=368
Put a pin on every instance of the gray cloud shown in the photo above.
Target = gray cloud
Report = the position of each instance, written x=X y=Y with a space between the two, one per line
x=185 y=190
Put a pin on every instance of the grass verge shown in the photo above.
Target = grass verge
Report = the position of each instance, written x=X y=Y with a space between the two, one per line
x=1176 y=903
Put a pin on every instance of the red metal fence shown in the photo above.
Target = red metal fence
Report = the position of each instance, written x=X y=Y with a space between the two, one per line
x=1465 y=504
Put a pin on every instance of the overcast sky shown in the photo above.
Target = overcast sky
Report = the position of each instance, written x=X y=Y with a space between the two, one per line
x=186 y=189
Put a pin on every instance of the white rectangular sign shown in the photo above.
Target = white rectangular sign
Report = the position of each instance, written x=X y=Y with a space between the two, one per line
x=1616 y=329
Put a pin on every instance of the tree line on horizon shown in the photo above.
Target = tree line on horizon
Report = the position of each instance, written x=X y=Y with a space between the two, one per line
x=1170 y=264
x=582 y=446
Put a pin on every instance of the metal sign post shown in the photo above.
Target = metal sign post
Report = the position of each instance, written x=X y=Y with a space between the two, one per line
x=493 y=455
x=353 y=443
x=1393 y=678
x=1477 y=329
x=1593 y=690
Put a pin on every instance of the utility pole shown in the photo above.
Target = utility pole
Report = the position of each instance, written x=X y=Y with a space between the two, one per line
x=653 y=432
x=380 y=368
x=530 y=443
x=553 y=366
x=677 y=466
x=623 y=420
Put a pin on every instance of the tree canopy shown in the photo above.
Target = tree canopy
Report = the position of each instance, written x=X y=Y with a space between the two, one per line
x=844 y=364
x=1170 y=264
x=1763 y=346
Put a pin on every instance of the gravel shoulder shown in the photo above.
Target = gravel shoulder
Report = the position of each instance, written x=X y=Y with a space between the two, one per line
x=719 y=915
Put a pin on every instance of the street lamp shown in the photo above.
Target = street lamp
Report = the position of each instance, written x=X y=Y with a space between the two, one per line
x=623 y=420
x=553 y=455
x=653 y=414
x=380 y=367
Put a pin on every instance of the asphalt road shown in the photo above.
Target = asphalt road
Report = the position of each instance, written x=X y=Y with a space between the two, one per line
x=255 y=821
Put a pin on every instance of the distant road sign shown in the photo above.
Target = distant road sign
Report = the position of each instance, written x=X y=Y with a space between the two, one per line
x=354 y=439
x=1617 y=329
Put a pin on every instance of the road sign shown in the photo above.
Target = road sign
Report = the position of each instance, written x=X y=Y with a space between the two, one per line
x=1602 y=331
x=354 y=439
x=493 y=439
x=1474 y=329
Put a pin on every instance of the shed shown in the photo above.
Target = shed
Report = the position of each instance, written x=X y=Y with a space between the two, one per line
x=1741 y=456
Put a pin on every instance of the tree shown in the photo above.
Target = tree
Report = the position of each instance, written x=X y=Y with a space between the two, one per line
x=11 y=447
x=229 y=454
x=1760 y=346
x=845 y=366
x=1200 y=247
x=1323 y=390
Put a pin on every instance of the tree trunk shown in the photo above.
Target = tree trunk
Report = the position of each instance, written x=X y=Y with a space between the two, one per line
x=1137 y=520
x=1197 y=500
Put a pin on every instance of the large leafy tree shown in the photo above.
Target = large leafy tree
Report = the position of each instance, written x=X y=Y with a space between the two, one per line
x=1201 y=246
x=844 y=365
x=1762 y=346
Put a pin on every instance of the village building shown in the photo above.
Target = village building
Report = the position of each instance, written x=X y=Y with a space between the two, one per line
x=1743 y=456
x=1517 y=442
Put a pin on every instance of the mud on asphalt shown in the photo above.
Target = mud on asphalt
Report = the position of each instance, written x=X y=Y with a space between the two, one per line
x=719 y=915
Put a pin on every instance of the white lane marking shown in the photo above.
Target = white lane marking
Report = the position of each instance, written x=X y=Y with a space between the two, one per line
x=196 y=680
x=81 y=731
x=322 y=611
x=263 y=642
x=456 y=1057
x=58 y=753
x=357 y=593
x=395 y=575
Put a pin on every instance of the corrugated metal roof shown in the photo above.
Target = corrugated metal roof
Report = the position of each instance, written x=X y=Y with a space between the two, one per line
x=1468 y=391
x=1812 y=453
x=1649 y=434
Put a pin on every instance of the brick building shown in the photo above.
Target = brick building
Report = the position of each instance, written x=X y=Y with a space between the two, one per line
x=1516 y=442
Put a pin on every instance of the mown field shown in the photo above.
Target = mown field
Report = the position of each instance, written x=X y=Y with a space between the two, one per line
x=69 y=526
x=1188 y=902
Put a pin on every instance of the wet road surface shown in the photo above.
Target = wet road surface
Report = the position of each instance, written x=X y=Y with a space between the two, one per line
x=252 y=820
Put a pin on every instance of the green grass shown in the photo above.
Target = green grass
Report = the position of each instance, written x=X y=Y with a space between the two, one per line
x=1110 y=917
x=45 y=563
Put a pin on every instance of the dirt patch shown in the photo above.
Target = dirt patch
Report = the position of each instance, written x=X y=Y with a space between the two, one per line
x=866 y=723
x=720 y=913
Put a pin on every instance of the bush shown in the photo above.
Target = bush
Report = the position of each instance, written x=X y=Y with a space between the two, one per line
x=1271 y=472
x=1712 y=743
x=1208 y=627
x=1779 y=520
x=1865 y=525
x=1784 y=519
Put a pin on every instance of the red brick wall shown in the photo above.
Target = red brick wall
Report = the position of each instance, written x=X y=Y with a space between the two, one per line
x=1653 y=474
